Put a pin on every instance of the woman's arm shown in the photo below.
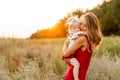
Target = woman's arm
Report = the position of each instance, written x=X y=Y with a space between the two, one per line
x=65 y=46
x=77 y=44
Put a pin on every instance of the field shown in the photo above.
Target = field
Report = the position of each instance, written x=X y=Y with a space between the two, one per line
x=40 y=59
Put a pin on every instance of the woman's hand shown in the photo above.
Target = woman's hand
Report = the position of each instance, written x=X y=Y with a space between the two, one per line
x=66 y=43
x=65 y=46
x=67 y=61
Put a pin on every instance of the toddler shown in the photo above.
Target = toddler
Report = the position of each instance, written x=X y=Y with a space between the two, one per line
x=73 y=33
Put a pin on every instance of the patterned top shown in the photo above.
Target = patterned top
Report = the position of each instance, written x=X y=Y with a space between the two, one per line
x=72 y=37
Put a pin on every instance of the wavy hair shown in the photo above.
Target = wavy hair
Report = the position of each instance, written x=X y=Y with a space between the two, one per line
x=94 y=30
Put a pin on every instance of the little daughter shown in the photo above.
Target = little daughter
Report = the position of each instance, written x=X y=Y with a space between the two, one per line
x=73 y=33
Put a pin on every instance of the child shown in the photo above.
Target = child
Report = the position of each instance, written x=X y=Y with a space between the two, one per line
x=73 y=33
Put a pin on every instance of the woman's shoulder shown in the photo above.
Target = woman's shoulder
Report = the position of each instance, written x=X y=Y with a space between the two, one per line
x=82 y=39
x=84 y=42
x=83 y=35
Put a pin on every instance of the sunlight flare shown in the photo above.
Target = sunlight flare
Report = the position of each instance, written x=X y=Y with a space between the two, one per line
x=31 y=15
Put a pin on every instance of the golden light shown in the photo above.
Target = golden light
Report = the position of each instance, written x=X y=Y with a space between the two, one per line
x=32 y=15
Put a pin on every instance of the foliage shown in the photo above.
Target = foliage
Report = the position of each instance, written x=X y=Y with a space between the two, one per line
x=109 y=45
x=107 y=13
x=104 y=13
x=58 y=30
x=116 y=13
x=40 y=59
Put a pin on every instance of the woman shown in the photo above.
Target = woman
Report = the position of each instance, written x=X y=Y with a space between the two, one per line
x=83 y=46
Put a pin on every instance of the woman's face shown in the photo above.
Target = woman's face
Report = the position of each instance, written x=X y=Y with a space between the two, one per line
x=83 y=23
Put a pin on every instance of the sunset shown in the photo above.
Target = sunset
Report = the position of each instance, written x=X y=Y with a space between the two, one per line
x=59 y=39
x=21 y=18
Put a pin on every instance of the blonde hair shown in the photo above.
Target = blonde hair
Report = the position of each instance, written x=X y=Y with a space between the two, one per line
x=70 y=21
x=94 y=31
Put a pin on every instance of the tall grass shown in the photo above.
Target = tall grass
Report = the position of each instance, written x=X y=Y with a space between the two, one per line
x=40 y=59
x=110 y=45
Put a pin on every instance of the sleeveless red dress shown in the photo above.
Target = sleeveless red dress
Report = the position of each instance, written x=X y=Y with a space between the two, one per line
x=83 y=58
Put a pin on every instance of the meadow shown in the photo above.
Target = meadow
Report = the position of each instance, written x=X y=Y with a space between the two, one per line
x=40 y=59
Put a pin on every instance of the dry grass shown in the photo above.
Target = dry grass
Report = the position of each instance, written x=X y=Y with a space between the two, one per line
x=25 y=59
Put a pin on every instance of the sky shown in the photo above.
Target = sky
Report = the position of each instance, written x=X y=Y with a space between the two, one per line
x=21 y=18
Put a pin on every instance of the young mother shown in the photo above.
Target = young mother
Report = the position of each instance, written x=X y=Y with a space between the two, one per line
x=84 y=45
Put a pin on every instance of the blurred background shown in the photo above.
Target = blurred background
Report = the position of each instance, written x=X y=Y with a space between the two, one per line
x=46 y=19
x=32 y=33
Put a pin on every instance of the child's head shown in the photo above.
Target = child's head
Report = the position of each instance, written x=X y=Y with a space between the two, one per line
x=89 y=22
x=73 y=24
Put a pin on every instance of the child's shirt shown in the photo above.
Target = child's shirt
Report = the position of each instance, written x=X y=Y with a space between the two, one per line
x=72 y=37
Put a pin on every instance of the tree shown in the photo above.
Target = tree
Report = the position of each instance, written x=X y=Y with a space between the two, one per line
x=116 y=13
x=58 y=30
x=104 y=14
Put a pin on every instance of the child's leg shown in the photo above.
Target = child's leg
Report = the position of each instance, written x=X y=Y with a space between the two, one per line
x=75 y=63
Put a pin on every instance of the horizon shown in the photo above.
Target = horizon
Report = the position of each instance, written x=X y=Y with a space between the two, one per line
x=21 y=18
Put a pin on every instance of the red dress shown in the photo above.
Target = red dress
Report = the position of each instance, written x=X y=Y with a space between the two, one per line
x=83 y=58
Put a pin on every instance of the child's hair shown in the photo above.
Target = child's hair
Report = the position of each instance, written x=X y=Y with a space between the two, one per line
x=94 y=31
x=71 y=20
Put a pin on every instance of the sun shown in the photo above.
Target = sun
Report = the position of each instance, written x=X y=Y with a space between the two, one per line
x=41 y=14
x=58 y=9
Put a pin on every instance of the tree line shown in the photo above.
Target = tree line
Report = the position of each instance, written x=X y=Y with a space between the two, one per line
x=108 y=13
